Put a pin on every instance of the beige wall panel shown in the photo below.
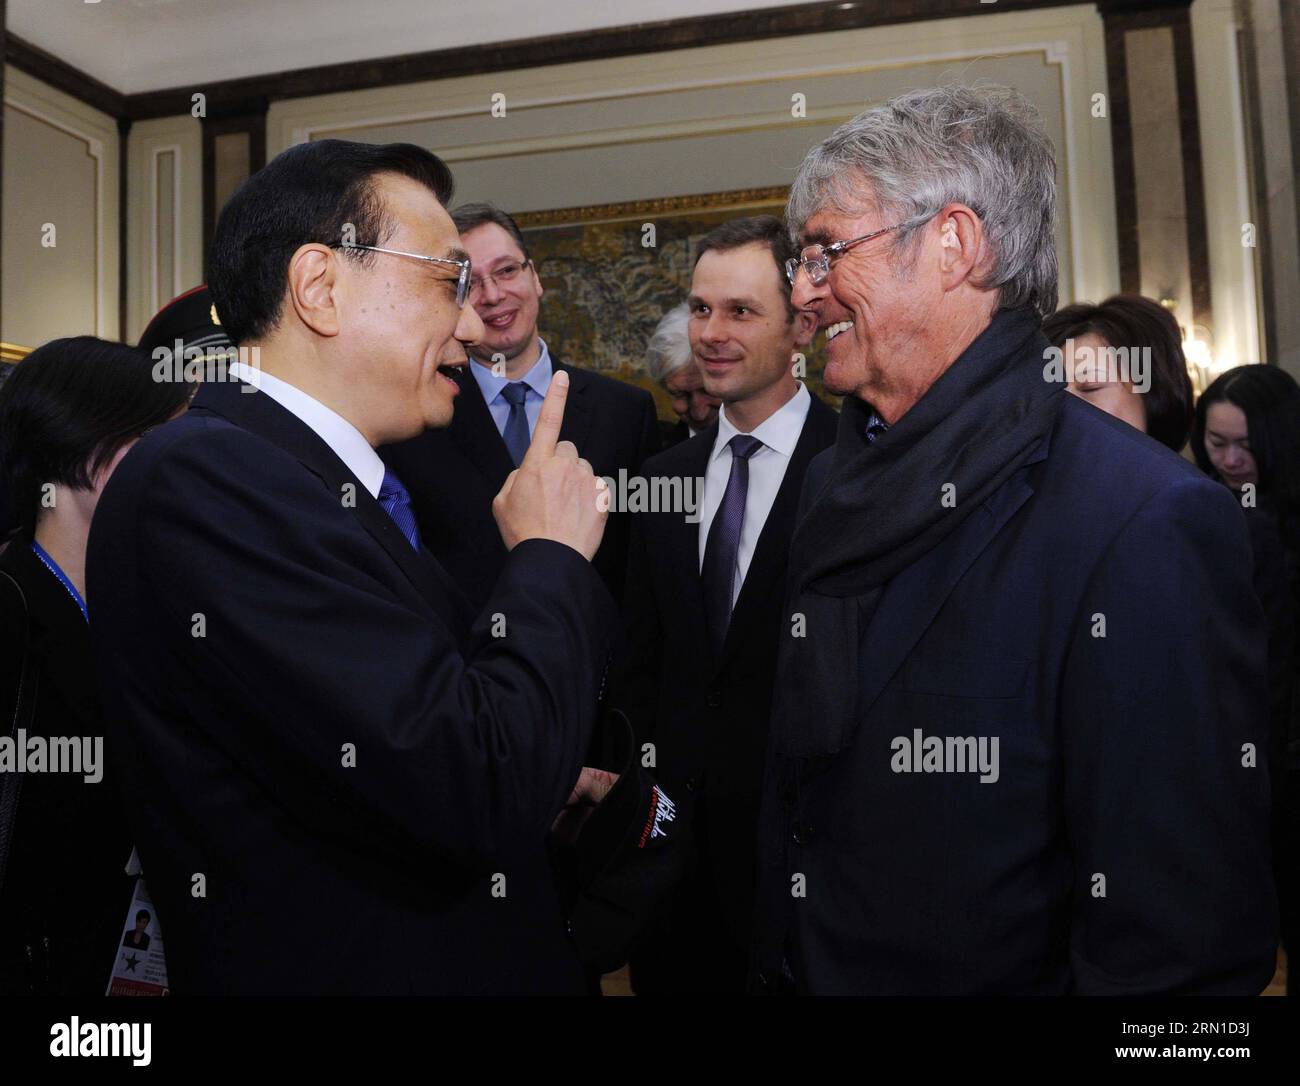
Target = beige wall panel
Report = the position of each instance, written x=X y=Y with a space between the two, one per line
x=1158 y=165
x=1233 y=288
x=60 y=169
x=164 y=215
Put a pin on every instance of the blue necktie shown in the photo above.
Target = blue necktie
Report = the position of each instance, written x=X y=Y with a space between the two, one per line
x=516 y=431
x=396 y=500
x=718 y=573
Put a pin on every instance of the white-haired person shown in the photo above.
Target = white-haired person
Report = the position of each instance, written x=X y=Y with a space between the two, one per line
x=1019 y=744
x=671 y=365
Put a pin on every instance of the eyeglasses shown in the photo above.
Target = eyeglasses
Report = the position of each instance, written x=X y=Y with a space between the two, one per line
x=816 y=259
x=462 y=281
x=505 y=274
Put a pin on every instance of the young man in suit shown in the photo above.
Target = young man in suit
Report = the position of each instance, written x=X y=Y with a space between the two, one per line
x=705 y=595
x=341 y=780
x=453 y=474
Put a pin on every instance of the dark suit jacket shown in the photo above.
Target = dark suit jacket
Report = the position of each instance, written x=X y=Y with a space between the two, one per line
x=708 y=717
x=454 y=474
x=1120 y=757
x=304 y=719
x=673 y=433
x=66 y=891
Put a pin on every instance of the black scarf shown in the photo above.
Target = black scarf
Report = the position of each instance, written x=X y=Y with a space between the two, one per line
x=882 y=508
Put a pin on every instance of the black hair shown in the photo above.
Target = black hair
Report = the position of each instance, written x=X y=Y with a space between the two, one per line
x=143 y=914
x=68 y=408
x=1128 y=320
x=468 y=217
x=757 y=230
x=310 y=193
x=1270 y=399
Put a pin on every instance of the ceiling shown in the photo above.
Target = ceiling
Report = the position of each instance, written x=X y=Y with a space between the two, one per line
x=144 y=45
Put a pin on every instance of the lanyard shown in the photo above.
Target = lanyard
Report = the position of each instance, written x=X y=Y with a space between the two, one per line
x=53 y=567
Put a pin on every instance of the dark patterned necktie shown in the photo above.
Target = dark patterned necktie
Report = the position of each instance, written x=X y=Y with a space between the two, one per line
x=718 y=573
x=396 y=500
x=516 y=431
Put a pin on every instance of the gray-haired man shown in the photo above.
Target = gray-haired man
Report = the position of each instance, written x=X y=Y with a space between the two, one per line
x=1015 y=746
x=670 y=363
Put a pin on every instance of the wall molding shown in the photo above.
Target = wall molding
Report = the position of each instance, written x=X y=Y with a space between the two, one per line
x=1070 y=39
x=157 y=296
x=28 y=96
x=148 y=140
x=243 y=95
x=48 y=68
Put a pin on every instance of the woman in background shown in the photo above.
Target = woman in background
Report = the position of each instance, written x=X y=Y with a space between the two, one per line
x=68 y=414
x=1247 y=436
x=1164 y=409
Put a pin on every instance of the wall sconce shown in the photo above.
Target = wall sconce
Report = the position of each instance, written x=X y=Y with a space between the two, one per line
x=1198 y=348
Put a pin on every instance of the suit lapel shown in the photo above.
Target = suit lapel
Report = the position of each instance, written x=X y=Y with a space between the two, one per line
x=772 y=550
x=261 y=415
x=475 y=432
x=911 y=600
x=684 y=543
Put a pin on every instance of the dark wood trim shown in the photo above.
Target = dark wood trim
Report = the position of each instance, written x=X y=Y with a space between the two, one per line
x=1189 y=114
x=686 y=33
x=1121 y=149
x=254 y=125
x=1119 y=19
x=123 y=137
x=48 y=68
x=1290 y=14
x=242 y=96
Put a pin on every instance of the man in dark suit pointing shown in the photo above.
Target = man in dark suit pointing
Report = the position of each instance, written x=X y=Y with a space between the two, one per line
x=340 y=779
x=454 y=473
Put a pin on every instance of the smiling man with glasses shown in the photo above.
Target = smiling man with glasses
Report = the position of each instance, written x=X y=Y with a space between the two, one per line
x=454 y=475
x=986 y=564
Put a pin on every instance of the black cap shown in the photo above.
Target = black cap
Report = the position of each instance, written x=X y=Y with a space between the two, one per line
x=192 y=319
x=628 y=857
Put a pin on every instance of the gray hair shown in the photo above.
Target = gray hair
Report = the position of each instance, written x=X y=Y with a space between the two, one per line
x=669 y=348
x=982 y=146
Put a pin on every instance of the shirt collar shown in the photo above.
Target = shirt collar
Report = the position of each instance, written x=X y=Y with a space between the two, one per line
x=332 y=428
x=538 y=378
x=779 y=431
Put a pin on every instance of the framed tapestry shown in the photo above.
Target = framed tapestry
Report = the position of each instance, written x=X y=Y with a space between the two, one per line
x=612 y=270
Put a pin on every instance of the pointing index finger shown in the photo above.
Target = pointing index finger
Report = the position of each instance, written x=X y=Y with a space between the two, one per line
x=547 y=432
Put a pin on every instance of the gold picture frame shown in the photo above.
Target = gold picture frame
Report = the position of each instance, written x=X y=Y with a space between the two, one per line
x=610 y=272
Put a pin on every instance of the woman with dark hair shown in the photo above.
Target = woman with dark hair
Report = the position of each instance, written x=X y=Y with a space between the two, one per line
x=1151 y=389
x=1247 y=436
x=68 y=414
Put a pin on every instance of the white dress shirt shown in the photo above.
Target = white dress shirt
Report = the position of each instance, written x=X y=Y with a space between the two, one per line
x=779 y=433
x=331 y=427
